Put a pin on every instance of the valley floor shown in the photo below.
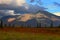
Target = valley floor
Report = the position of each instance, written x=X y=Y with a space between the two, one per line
x=29 y=33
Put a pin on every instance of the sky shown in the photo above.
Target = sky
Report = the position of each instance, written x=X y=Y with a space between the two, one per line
x=19 y=6
x=51 y=5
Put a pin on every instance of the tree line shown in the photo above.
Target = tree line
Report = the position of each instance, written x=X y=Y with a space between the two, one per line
x=2 y=25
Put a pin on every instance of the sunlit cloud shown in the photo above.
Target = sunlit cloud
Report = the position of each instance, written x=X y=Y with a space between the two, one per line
x=5 y=1
x=57 y=13
x=13 y=2
x=19 y=2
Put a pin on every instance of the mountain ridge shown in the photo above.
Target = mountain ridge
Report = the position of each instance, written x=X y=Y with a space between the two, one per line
x=43 y=17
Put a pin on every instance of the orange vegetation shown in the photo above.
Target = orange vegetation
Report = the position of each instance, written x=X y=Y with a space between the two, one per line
x=33 y=30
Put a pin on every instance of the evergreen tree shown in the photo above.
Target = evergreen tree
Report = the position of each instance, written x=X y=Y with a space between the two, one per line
x=38 y=25
x=5 y=25
x=51 y=25
x=59 y=26
x=45 y=26
x=1 y=23
x=13 y=25
x=9 y=25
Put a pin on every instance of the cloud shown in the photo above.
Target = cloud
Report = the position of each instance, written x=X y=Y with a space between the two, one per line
x=12 y=2
x=57 y=4
x=5 y=1
x=32 y=0
x=6 y=12
x=20 y=2
x=57 y=13
x=19 y=6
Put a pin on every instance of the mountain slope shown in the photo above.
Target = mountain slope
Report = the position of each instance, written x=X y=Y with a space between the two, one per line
x=41 y=18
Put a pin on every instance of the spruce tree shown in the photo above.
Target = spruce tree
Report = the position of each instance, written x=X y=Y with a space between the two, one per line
x=1 y=23
x=51 y=24
x=13 y=25
x=38 y=25
x=59 y=26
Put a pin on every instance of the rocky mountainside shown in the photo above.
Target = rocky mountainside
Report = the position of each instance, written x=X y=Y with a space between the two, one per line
x=40 y=19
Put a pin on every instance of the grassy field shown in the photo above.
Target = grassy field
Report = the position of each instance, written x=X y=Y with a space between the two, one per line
x=17 y=34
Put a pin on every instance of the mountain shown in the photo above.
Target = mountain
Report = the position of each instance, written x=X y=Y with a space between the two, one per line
x=38 y=19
